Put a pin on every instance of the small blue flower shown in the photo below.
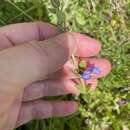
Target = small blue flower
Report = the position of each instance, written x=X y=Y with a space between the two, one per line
x=86 y=75
x=86 y=72
x=90 y=69
x=96 y=70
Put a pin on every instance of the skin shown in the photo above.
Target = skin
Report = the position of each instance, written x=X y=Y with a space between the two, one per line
x=35 y=62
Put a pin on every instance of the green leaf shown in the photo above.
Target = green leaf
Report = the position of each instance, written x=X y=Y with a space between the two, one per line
x=82 y=64
x=60 y=16
x=55 y=3
x=80 y=17
x=52 y=10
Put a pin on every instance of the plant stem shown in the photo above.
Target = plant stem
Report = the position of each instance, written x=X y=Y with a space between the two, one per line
x=76 y=67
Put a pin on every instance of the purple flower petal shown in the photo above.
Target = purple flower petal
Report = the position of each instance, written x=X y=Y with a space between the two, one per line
x=96 y=70
x=86 y=75
x=90 y=67
x=122 y=102
x=86 y=72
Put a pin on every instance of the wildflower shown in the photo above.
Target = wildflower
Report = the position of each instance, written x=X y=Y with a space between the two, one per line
x=122 y=102
x=86 y=71
x=85 y=75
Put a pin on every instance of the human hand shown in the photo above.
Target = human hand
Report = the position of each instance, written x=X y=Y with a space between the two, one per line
x=35 y=62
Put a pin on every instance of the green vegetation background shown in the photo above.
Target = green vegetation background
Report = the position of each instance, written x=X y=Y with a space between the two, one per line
x=108 y=21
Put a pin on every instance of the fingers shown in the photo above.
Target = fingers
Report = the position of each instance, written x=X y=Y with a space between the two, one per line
x=53 y=88
x=25 y=32
x=44 y=109
x=86 y=46
x=63 y=83
x=21 y=65
x=49 y=88
x=37 y=59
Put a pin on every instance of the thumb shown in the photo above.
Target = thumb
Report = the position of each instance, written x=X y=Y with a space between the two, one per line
x=33 y=61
